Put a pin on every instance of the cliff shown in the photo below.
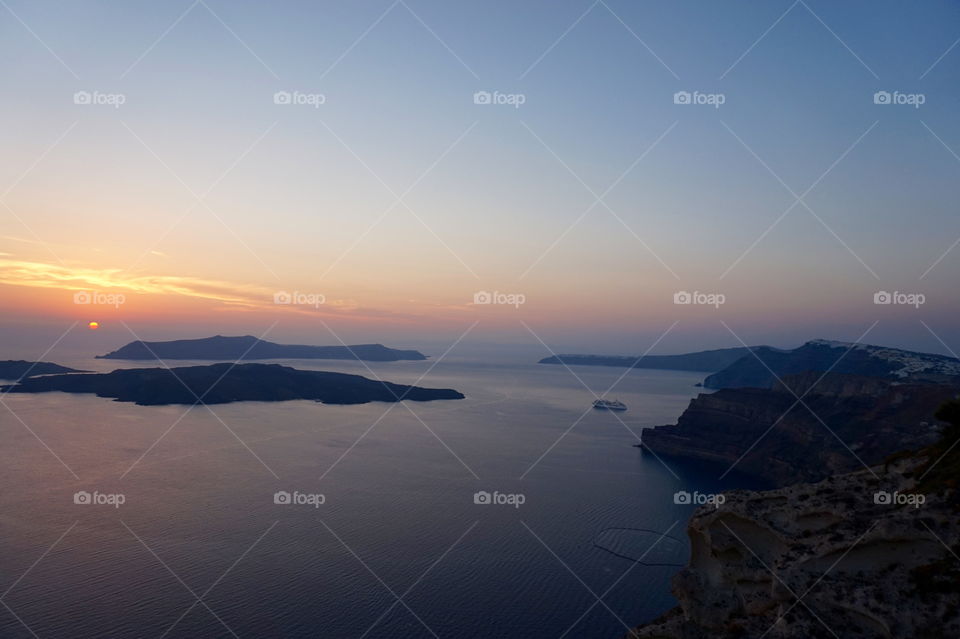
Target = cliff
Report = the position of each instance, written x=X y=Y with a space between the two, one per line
x=865 y=554
x=765 y=433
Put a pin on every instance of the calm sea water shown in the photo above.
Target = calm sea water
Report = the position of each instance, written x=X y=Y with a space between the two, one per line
x=398 y=548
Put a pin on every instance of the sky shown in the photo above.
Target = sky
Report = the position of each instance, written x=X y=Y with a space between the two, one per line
x=326 y=171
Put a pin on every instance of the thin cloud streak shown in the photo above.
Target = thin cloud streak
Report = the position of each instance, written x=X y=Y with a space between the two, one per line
x=233 y=296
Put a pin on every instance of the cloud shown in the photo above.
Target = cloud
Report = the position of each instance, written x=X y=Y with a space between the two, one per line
x=231 y=295
x=76 y=278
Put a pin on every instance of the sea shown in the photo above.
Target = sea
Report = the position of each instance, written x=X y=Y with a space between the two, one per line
x=519 y=511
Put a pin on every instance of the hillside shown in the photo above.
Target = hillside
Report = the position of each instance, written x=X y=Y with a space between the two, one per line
x=754 y=370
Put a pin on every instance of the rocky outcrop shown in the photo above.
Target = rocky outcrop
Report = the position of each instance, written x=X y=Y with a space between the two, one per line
x=768 y=434
x=873 y=553
x=856 y=555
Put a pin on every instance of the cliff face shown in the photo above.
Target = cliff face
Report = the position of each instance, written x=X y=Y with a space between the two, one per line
x=783 y=442
x=822 y=560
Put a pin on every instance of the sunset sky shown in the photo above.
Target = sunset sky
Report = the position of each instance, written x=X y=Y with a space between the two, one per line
x=190 y=192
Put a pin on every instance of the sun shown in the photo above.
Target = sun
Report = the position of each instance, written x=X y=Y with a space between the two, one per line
x=94 y=325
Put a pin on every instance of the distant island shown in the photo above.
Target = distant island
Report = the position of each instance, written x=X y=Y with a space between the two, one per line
x=17 y=368
x=229 y=383
x=223 y=348
x=706 y=361
x=759 y=366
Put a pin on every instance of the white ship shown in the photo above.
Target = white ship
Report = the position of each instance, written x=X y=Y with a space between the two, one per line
x=609 y=404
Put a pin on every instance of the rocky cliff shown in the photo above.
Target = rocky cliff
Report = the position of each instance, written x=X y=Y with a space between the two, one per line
x=874 y=553
x=768 y=434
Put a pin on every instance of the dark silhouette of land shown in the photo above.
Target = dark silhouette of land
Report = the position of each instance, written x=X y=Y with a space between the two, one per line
x=225 y=383
x=17 y=368
x=247 y=347
x=706 y=361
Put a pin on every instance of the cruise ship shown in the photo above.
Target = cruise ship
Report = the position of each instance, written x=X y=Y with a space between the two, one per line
x=609 y=404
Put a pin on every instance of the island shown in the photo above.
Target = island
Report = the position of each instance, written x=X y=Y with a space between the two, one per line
x=248 y=347
x=706 y=361
x=18 y=368
x=225 y=383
